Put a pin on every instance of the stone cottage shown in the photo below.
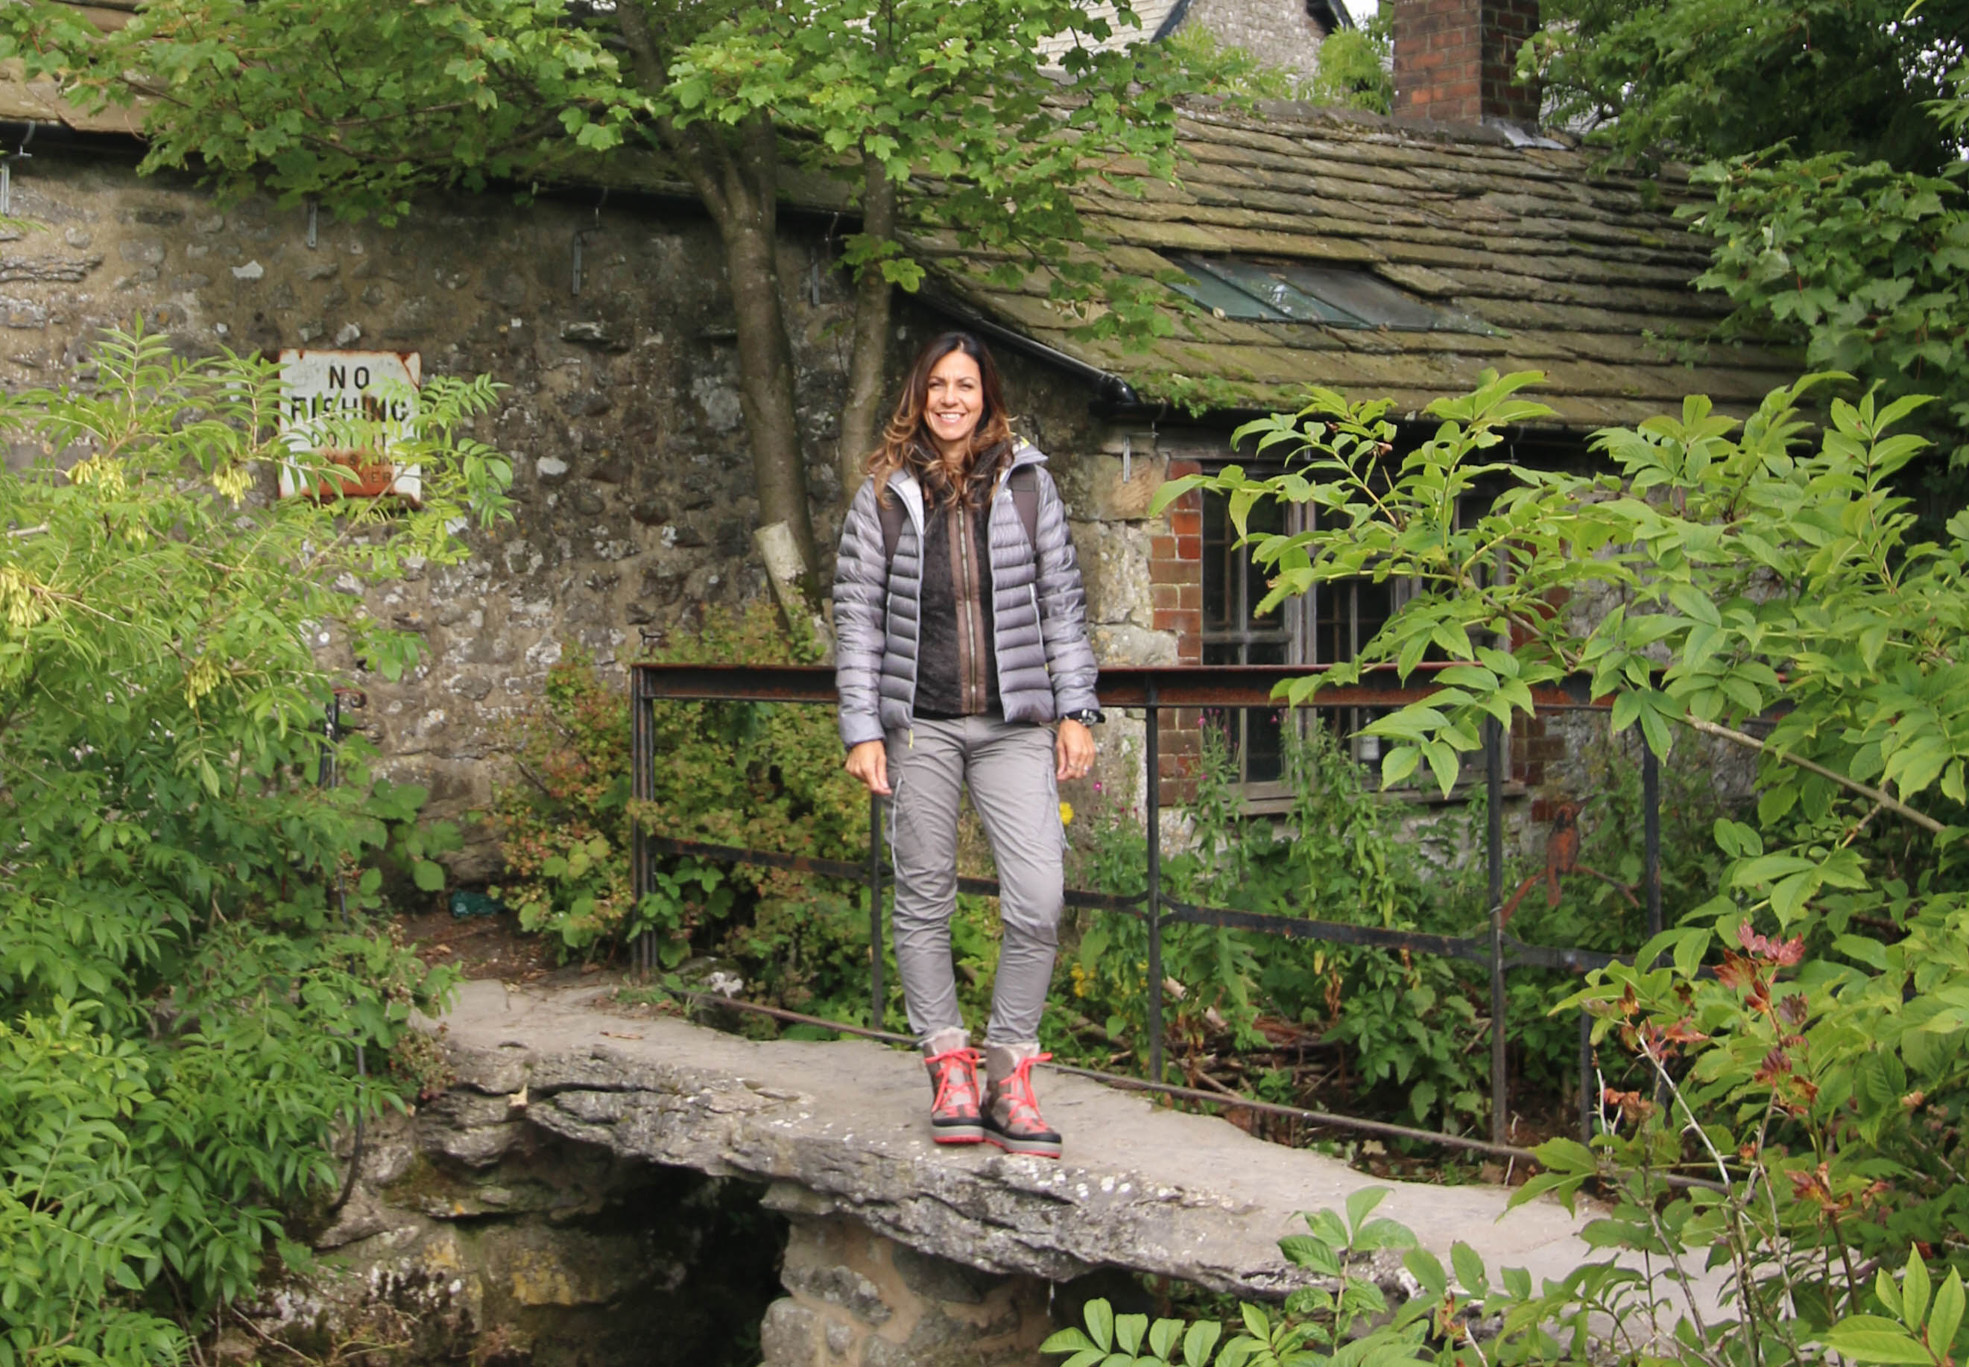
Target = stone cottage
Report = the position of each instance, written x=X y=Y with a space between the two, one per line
x=1394 y=257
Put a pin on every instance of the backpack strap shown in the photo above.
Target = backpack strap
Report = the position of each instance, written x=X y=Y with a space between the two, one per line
x=1024 y=484
x=889 y=506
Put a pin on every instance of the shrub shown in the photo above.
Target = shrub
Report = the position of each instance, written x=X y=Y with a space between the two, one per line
x=757 y=775
x=1799 y=1036
x=180 y=997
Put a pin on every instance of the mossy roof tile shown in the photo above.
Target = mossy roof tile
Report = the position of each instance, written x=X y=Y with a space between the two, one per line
x=1578 y=272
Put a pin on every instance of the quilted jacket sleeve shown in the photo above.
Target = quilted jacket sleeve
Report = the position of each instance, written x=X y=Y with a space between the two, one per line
x=861 y=584
x=1063 y=606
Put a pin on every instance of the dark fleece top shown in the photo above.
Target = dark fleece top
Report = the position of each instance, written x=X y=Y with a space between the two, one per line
x=956 y=625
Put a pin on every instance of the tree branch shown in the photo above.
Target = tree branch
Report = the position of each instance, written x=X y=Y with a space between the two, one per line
x=1749 y=742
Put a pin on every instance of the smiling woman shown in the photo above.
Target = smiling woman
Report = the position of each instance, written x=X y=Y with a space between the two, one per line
x=963 y=662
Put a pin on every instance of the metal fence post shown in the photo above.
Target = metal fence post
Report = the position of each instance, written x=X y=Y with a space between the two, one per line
x=1153 y=802
x=1494 y=850
x=1585 y=1077
x=330 y=776
x=876 y=994
x=1651 y=834
x=642 y=787
x=1651 y=859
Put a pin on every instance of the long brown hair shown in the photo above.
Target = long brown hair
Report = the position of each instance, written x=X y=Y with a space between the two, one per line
x=906 y=443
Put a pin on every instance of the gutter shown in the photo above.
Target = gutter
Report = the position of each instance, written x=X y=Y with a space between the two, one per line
x=1111 y=391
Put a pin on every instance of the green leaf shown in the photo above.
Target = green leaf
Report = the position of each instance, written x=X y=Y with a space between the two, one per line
x=1891 y=1344
x=1067 y=1341
x=1304 y=1250
x=1198 y=1341
x=1945 y=1316
x=1128 y=1331
x=1427 y=1269
x=1100 y=1324
x=1915 y=1287
x=428 y=876
x=1361 y=1204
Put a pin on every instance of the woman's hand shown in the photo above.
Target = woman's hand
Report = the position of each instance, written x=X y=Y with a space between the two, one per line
x=869 y=763
x=1075 y=748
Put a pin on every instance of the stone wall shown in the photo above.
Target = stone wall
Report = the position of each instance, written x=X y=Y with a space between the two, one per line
x=473 y=1236
x=634 y=490
x=1279 y=32
x=859 y=1300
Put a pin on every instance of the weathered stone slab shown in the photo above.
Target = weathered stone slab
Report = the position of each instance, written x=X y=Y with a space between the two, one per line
x=839 y=1128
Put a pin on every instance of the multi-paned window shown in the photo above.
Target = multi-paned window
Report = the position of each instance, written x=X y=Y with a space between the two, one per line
x=1326 y=626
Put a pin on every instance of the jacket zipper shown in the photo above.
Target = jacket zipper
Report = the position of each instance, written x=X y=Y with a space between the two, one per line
x=967 y=609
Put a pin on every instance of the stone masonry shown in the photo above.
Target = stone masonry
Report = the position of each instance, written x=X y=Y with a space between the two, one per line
x=1280 y=32
x=859 y=1300
x=633 y=482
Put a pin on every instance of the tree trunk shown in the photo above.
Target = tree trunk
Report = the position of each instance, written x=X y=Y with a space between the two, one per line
x=735 y=172
x=765 y=353
x=862 y=416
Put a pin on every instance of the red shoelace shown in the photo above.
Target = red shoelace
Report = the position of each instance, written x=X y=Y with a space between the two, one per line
x=956 y=1071
x=1021 y=1106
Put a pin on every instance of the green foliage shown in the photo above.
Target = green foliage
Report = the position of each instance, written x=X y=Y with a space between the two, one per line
x=180 y=997
x=752 y=775
x=979 y=115
x=1355 y=67
x=1408 y=1026
x=1822 y=1100
x=1702 y=79
x=1728 y=554
x=1810 y=1077
x=1865 y=267
x=1343 y=1319
x=978 y=131
x=1831 y=132
x=1465 y=1315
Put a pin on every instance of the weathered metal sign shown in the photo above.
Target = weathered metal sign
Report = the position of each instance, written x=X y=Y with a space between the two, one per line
x=321 y=388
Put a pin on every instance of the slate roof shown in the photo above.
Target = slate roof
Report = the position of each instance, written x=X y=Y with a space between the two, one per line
x=1582 y=275
x=1578 y=273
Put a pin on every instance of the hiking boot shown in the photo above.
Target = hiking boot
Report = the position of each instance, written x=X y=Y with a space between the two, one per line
x=953 y=1066
x=1011 y=1112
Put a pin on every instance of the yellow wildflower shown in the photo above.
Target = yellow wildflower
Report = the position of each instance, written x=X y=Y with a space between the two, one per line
x=1066 y=813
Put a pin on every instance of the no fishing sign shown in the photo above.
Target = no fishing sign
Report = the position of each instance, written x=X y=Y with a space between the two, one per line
x=324 y=393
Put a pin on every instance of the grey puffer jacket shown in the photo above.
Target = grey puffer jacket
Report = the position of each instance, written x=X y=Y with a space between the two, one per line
x=1039 y=614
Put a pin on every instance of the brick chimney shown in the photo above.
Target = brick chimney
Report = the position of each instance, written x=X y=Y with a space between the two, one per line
x=1454 y=60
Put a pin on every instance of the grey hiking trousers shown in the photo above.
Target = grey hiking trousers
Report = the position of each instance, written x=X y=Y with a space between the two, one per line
x=1009 y=768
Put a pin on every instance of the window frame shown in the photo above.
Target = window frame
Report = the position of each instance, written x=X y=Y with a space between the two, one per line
x=1300 y=631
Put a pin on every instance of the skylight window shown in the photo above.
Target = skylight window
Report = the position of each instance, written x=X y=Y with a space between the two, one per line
x=1332 y=296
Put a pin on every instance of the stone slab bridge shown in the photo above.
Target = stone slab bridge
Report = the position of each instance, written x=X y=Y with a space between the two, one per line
x=900 y=1252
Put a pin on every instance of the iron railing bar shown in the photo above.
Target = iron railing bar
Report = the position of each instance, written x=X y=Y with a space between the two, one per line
x=1474 y=949
x=1500 y=1100
x=1152 y=1007
x=1120 y=686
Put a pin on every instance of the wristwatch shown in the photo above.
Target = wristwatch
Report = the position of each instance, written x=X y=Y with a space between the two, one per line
x=1086 y=716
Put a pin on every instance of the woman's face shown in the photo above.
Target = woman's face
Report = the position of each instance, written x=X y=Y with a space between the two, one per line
x=955 y=403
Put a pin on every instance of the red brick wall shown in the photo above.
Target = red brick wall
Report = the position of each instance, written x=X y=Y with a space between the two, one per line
x=1176 y=586
x=1454 y=59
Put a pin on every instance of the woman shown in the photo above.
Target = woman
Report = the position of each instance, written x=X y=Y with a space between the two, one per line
x=962 y=661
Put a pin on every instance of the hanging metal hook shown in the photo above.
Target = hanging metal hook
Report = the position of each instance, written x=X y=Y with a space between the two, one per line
x=7 y=170
x=579 y=234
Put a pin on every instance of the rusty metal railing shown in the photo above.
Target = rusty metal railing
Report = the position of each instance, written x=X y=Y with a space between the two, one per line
x=1152 y=691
